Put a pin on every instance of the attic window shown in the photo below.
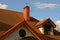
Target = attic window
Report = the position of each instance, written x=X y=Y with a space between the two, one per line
x=47 y=28
x=22 y=33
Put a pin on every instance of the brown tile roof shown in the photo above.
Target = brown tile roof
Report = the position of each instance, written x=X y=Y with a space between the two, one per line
x=50 y=37
x=12 y=17
x=9 y=18
x=54 y=37
x=1 y=32
x=56 y=32
x=32 y=21
x=32 y=24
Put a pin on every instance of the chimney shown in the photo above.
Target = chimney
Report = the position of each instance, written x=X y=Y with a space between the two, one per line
x=26 y=13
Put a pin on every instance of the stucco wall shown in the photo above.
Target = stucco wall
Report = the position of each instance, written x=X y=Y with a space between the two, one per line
x=42 y=30
x=15 y=35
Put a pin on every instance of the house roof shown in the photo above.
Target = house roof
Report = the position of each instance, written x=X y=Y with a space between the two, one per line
x=12 y=17
x=56 y=33
x=9 y=18
x=28 y=26
x=51 y=37
x=42 y=22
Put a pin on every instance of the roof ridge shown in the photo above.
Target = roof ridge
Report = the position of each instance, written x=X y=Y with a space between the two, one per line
x=9 y=10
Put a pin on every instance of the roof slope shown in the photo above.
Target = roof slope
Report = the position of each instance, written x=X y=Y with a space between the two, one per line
x=10 y=18
x=56 y=33
x=51 y=37
x=28 y=26
x=42 y=22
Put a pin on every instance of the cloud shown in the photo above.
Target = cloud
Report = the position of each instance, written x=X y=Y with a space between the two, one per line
x=46 y=5
x=58 y=25
x=3 y=6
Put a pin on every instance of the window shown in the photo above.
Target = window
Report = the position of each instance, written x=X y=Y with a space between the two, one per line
x=22 y=33
x=47 y=28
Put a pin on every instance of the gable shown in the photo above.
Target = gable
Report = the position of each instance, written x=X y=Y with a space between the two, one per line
x=43 y=22
x=46 y=26
x=15 y=34
x=34 y=31
x=9 y=18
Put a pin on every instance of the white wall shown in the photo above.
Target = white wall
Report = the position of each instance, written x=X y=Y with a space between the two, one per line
x=41 y=30
x=51 y=33
x=15 y=35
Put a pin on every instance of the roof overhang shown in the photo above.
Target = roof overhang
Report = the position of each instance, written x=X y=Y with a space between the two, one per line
x=41 y=23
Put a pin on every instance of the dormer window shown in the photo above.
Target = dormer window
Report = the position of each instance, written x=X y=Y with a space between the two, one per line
x=47 y=29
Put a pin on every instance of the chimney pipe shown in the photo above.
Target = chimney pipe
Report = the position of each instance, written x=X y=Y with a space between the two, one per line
x=26 y=13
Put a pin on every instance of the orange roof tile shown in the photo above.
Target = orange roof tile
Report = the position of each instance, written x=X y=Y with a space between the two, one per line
x=54 y=37
x=10 y=18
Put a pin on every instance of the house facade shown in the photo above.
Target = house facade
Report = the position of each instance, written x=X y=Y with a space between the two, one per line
x=21 y=26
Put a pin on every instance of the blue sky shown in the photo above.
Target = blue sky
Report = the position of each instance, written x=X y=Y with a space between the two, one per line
x=39 y=9
x=36 y=11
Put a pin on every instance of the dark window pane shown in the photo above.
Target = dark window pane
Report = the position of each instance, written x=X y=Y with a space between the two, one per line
x=22 y=33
